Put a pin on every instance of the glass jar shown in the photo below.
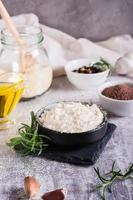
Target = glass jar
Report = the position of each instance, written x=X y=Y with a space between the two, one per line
x=38 y=76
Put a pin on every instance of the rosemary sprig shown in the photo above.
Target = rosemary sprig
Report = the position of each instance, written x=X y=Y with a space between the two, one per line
x=29 y=140
x=102 y=65
x=112 y=176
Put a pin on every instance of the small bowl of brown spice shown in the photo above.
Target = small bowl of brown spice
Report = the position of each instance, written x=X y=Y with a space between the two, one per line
x=117 y=97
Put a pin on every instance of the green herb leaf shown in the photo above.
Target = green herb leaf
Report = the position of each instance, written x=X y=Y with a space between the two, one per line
x=112 y=176
x=29 y=140
x=102 y=65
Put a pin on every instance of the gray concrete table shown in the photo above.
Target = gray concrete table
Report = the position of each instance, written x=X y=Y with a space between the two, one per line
x=78 y=180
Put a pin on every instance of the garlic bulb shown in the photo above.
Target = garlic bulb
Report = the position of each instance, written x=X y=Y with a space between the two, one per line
x=124 y=65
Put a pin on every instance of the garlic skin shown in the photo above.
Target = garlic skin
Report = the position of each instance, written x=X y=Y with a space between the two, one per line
x=31 y=186
x=59 y=194
x=124 y=65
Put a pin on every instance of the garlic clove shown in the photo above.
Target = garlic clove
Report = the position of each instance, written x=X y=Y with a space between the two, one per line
x=31 y=186
x=59 y=194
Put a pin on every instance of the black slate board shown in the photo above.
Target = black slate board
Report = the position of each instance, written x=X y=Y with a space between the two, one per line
x=85 y=155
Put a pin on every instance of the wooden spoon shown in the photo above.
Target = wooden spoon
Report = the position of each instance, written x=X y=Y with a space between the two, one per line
x=26 y=60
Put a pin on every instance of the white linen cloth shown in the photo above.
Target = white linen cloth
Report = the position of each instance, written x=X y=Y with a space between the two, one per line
x=62 y=47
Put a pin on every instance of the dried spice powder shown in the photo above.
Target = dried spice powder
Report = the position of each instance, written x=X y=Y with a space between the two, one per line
x=119 y=92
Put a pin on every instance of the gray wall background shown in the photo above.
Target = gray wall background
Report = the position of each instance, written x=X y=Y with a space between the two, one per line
x=94 y=19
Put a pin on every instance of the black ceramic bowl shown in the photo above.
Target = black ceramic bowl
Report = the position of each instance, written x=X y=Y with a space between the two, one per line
x=72 y=139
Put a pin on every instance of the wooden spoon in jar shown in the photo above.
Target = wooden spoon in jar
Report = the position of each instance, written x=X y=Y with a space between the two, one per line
x=26 y=60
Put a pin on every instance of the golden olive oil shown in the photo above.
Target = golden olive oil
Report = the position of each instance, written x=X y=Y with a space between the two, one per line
x=10 y=94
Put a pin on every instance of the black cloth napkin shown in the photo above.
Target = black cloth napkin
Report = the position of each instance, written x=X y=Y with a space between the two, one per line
x=85 y=155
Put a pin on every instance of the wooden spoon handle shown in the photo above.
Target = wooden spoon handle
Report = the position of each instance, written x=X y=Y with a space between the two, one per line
x=10 y=25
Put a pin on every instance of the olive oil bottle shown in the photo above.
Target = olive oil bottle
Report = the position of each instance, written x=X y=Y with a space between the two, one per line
x=10 y=94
